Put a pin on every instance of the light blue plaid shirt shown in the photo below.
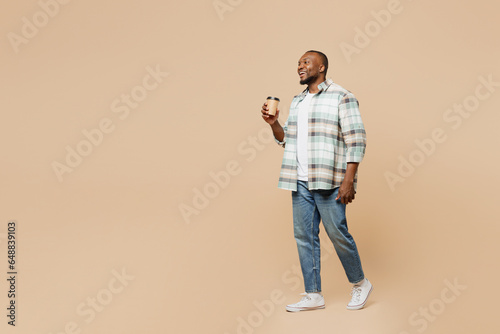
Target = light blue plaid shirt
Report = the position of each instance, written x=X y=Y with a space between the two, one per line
x=336 y=136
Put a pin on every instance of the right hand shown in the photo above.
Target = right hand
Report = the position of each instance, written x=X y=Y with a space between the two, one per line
x=270 y=119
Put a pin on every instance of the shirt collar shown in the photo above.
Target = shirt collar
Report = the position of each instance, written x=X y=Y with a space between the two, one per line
x=322 y=86
x=325 y=84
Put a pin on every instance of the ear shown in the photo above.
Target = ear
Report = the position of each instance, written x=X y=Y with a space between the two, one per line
x=321 y=68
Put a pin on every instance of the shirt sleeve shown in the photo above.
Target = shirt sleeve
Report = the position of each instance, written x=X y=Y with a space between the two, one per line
x=352 y=128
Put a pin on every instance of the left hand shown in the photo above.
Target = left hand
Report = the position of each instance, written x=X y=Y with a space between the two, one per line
x=346 y=192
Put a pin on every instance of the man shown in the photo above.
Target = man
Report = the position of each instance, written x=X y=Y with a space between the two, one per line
x=324 y=140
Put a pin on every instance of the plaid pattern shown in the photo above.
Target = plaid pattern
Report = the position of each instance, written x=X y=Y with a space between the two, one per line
x=336 y=136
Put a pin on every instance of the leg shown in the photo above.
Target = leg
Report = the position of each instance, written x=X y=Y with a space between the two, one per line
x=332 y=213
x=306 y=221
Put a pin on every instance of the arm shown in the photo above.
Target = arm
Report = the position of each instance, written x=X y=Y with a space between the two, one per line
x=278 y=130
x=354 y=135
x=346 y=190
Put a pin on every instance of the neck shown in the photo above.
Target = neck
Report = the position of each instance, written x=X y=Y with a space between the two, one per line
x=313 y=86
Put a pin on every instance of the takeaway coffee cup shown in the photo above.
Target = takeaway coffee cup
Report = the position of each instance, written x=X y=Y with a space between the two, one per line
x=272 y=104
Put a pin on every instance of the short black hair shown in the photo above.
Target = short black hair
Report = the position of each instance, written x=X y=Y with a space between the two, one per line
x=324 y=58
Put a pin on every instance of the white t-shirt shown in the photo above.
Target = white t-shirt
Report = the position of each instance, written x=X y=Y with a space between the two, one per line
x=302 y=134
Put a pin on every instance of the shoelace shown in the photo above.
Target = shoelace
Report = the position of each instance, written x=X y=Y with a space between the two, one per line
x=356 y=293
x=306 y=296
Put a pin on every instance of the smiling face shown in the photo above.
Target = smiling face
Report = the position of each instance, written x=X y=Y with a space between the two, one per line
x=310 y=68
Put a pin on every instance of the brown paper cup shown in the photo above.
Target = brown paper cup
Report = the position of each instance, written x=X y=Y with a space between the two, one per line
x=272 y=104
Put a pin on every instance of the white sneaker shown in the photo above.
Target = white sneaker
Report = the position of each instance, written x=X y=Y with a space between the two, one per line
x=310 y=301
x=360 y=295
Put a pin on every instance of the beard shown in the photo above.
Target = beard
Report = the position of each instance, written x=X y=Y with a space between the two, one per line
x=308 y=80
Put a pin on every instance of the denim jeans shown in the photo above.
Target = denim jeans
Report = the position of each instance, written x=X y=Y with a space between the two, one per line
x=309 y=207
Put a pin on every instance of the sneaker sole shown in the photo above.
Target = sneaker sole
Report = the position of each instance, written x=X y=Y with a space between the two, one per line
x=358 y=307
x=298 y=309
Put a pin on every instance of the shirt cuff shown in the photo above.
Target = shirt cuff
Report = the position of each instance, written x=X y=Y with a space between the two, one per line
x=281 y=143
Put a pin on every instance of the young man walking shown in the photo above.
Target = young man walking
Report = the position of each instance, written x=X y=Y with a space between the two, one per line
x=324 y=140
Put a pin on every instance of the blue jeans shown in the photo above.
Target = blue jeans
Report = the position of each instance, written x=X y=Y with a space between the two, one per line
x=309 y=207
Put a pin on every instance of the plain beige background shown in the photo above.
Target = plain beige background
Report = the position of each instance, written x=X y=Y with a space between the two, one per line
x=120 y=208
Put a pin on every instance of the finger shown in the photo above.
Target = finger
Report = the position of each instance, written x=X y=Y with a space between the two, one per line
x=340 y=194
